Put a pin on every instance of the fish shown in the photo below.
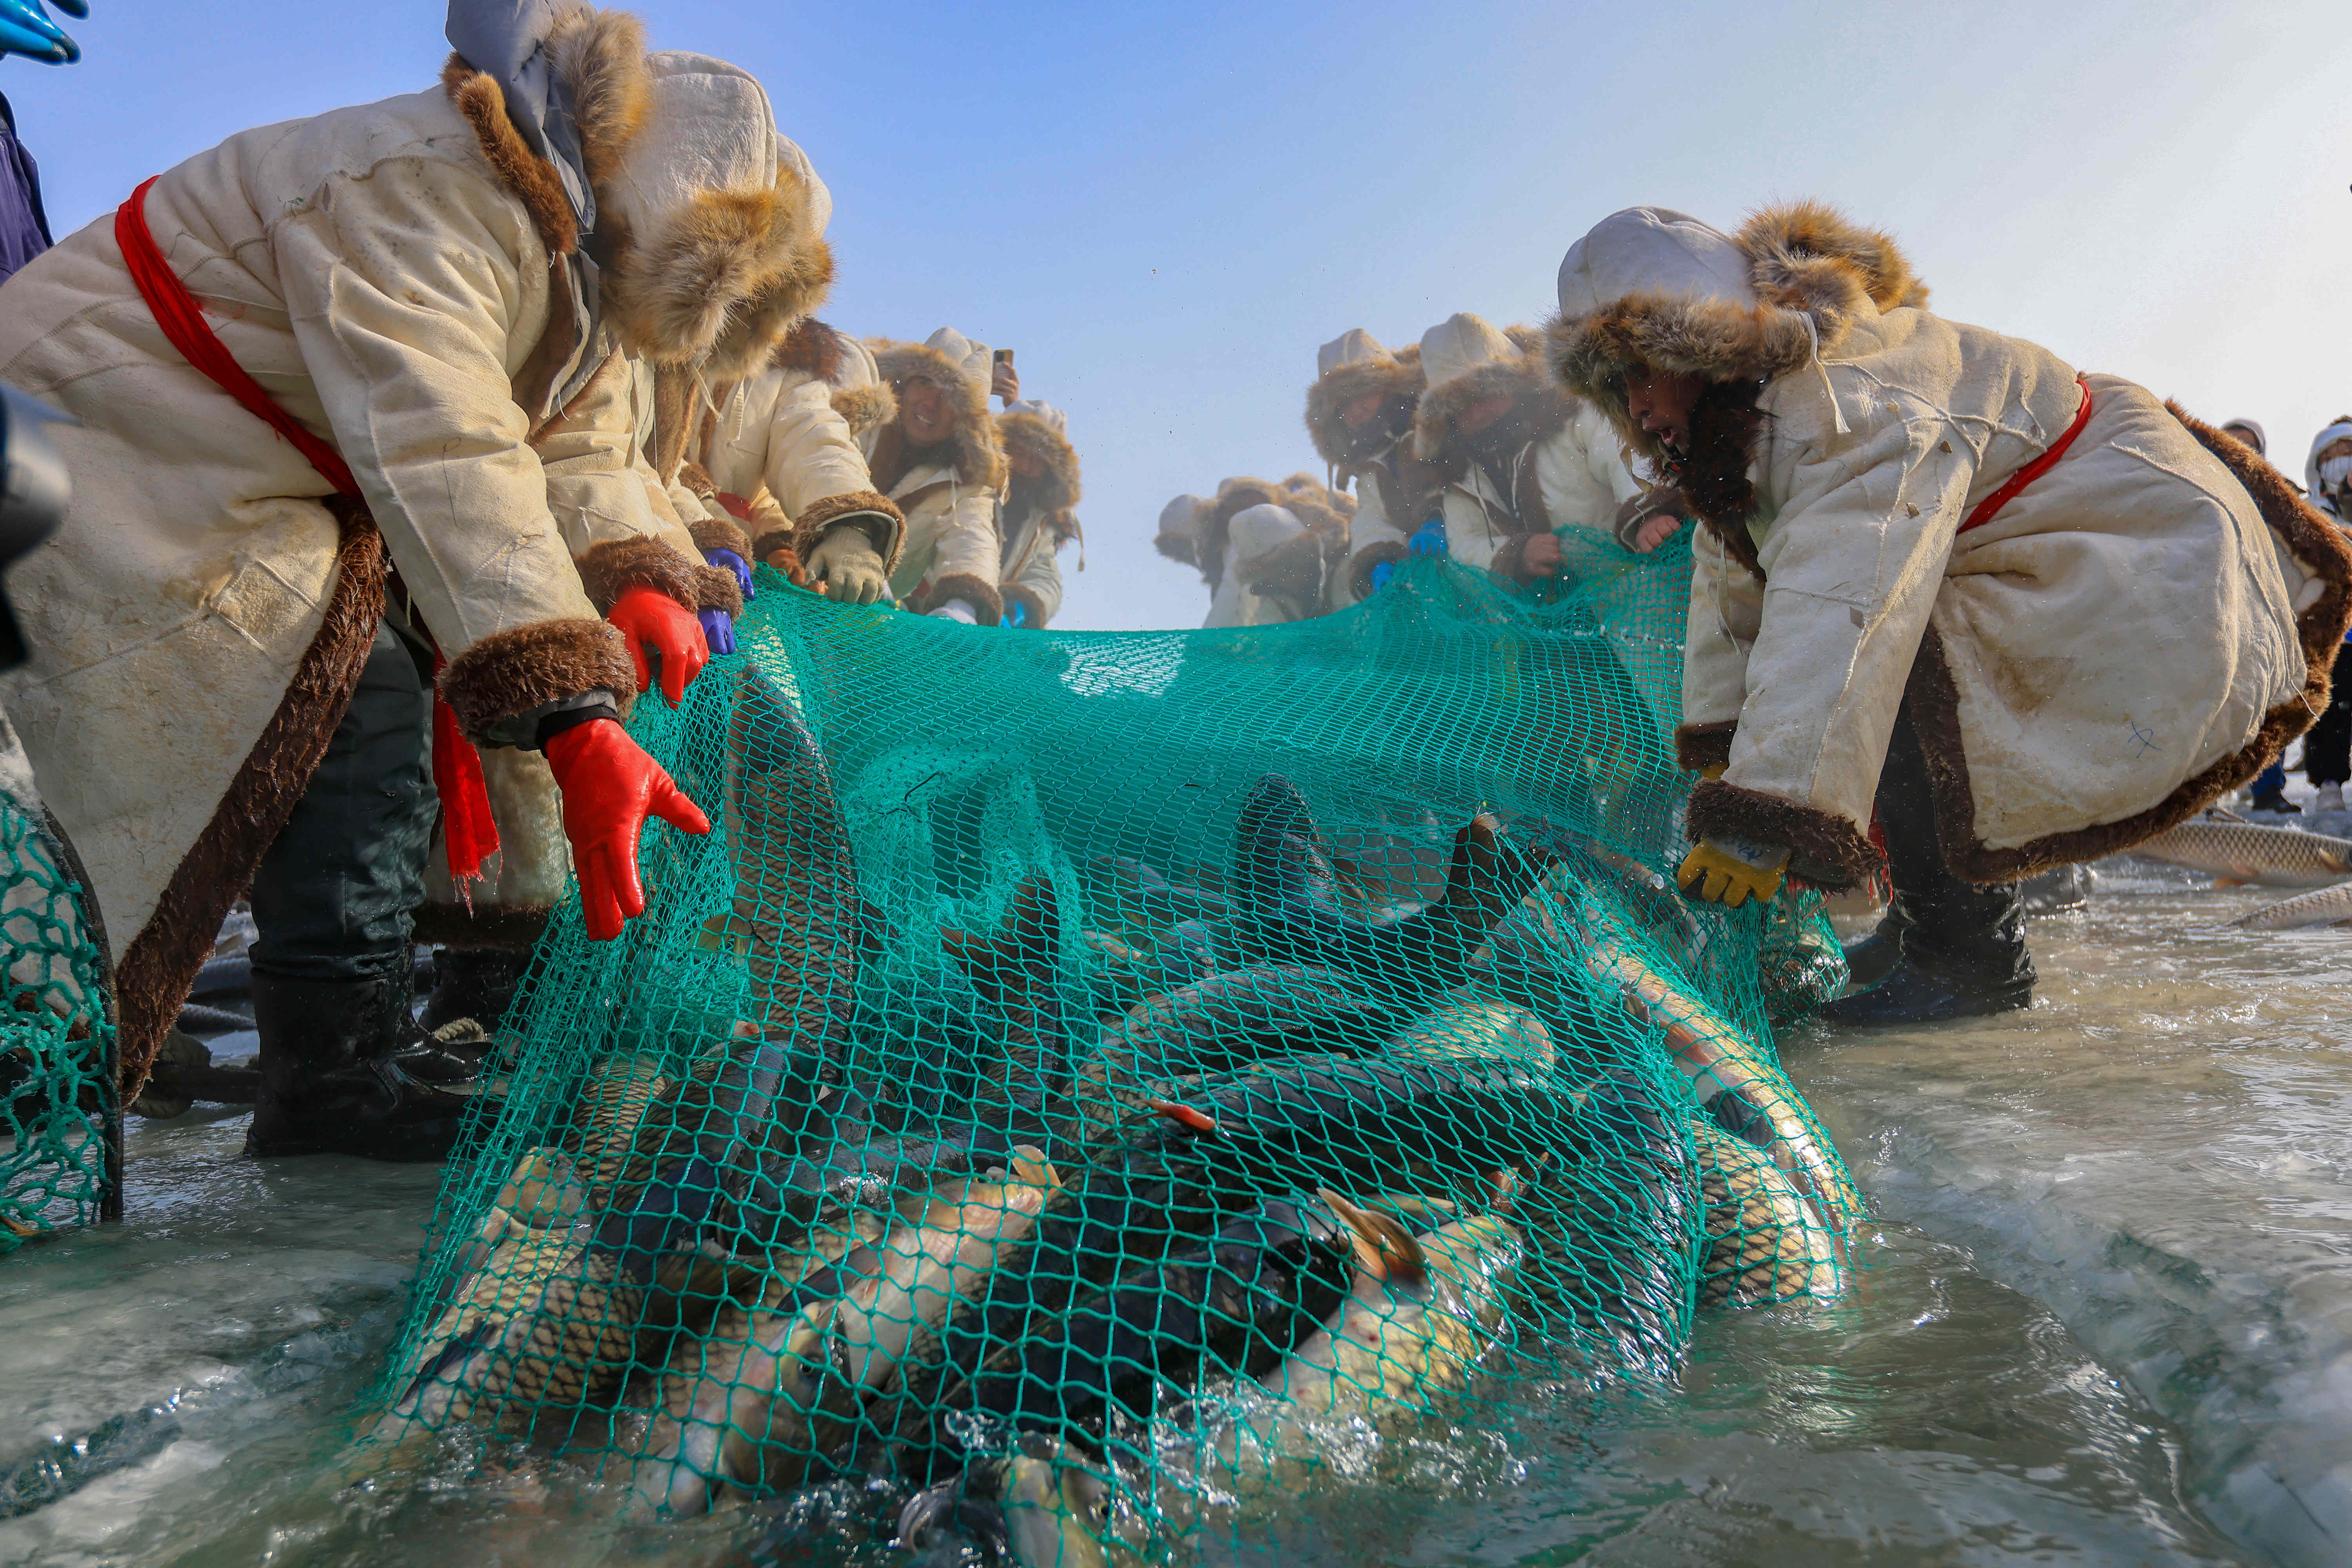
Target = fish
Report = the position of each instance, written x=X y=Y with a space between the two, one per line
x=559 y=1325
x=2241 y=852
x=1467 y=1026
x=1287 y=910
x=1040 y=1504
x=1801 y=965
x=1016 y=970
x=770 y=1394
x=1764 y=1242
x=1139 y=897
x=2323 y=906
x=1718 y=1061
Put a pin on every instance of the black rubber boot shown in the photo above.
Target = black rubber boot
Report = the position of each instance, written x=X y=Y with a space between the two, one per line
x=475 y=982
x=2276 y=800
x=1961 y=949
x=345 y=1070
x=1871 y=958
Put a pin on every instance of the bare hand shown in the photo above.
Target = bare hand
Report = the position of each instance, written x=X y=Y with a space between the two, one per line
x=1655 y=531
x=1005 y=383
x=1541 y=557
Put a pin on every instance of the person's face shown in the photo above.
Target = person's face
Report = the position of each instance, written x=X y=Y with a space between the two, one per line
x=1357 y=411
x=1659 y=402
x=923 y=410
x=1481 y=415
x=2342 y=448
x=1024 y=463
x=2240 y=433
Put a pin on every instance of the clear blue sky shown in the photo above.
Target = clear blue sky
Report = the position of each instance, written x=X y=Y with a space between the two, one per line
x=1164 y=211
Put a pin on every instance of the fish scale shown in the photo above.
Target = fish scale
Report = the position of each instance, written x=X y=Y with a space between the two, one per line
x=2249 y=852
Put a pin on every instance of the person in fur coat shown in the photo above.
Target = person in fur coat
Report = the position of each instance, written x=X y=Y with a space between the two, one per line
x=940 y=460
x=1359 y=416
x=2035 y=615
x=234 y=663
x=1271 y=552
x=1499 y=458
x=1040 y=512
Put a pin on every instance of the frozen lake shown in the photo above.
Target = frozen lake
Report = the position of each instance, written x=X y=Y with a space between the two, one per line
x=2106 y=1322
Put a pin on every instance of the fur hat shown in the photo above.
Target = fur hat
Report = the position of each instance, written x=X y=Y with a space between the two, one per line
x=1037 y=430
x=1653 y=288
x=960 y=369
x=1351 y=365
x=1465 y=359
x=1180 y=533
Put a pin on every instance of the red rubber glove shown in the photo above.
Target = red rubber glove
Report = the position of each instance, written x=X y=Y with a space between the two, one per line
x=610 y=786
x=652 y=622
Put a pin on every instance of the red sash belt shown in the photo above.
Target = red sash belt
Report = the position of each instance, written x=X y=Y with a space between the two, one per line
x=2034 y=471
x=468 y=830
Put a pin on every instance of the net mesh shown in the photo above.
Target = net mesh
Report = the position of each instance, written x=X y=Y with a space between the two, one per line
x=57 y=1116
x=1089 y=1084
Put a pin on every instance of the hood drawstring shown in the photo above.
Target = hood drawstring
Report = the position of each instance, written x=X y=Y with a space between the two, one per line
x=1837 y=411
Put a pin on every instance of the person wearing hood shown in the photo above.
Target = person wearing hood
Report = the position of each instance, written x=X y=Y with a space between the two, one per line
x=1039 y=515
x=1500 y=458
x=940 y=462
x=1359 y=416
x=235 y=628
x=2269 y=788
x=2035 y=615
x=1270 y=551
x=2327 y=749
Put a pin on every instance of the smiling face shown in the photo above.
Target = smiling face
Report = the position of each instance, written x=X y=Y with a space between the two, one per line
x=1659 y=402
x=923 y=411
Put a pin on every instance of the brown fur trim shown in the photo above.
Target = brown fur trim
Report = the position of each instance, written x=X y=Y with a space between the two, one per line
x=695 y=479
x=1215 y=523
x=1359 y=570
x=811 y=348
x=1541 y=406
x=1027 y=435
x=611 y=569
x=797 y=287
x=600 y=56
x=986 y=600
x=1714 y=474
x=722 y=532
x=1699 y=747
x=1933 y=699
x=824 y=512
x=1805 y=259
x=510 y=673
x=1182 y=547
x=1035 y=607
x=678 y=414
x=865 y=408
x=1396 y=376
x=718 y=589
x=980 y=454
x=727 y=279
x=161 y=962
x=508 y=928
x=531 y=177
x=1823 y=849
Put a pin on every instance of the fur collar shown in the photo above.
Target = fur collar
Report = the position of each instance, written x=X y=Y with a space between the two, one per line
x=1396 y=376
x=866 y=407
x=811 y=348
x=980 y=454
x=1057 y=490
x=727 y=280
x=1806 y=261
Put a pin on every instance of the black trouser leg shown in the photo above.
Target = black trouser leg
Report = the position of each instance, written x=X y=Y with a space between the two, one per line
x=2328 y=747
x=1955 y=928
x=331 y=899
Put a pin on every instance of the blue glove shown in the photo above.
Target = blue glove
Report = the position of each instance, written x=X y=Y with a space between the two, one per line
x=25 y=29
x=1381 y=573
x=1015 y=617
x=1431 y=540
x=727 y=558
x=718 y=627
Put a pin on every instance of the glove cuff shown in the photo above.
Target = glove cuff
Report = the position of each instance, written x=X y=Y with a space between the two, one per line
x=1388 y=553
x=1032 y=609
x=721 y=533
x=1824 y=849
x=877 y=514
x=987 y=602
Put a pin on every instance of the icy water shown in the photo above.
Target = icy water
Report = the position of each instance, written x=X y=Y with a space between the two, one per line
x=2105 y=1323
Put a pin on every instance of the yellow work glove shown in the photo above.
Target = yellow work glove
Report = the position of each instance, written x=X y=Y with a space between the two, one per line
x=1729 y=873
x=1714 y=770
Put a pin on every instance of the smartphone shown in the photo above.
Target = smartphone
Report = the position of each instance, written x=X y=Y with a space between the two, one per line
x=1004 y=356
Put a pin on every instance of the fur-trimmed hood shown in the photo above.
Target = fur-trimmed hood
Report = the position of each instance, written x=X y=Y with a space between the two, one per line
x=1394 y=373
x=1027 y=432
x=1653 y=288
x=1323 y=510
x=709 y=239
x=1519 y=375
x=980 y=454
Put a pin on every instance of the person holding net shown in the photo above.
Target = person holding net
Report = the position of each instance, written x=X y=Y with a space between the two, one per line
x=2031 y=615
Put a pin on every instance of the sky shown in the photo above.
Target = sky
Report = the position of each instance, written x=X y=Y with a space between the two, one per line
x=1164 y=210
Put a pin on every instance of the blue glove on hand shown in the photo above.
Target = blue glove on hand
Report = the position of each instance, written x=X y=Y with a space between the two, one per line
x=1431 y=540
x=1381 y=574
x=1016 y=615
x=726 y=558
x=25 y=29
x=718 y=627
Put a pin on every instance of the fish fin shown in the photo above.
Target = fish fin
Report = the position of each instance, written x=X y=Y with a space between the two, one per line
x=2221 y=881
x=1383 y=1249
x=1030 y=1166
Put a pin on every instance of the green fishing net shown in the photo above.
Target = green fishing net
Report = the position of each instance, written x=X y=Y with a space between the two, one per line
x=1089 y=1086
x=59 y=1125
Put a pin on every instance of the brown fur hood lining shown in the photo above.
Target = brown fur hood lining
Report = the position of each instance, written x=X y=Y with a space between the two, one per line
x=1806 y=261
x=1544 y=409
x=1027 y=434
x=1325 y=511
x=866 y=407
x=980 y=455
x=721 y=284
x=1395 y=375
